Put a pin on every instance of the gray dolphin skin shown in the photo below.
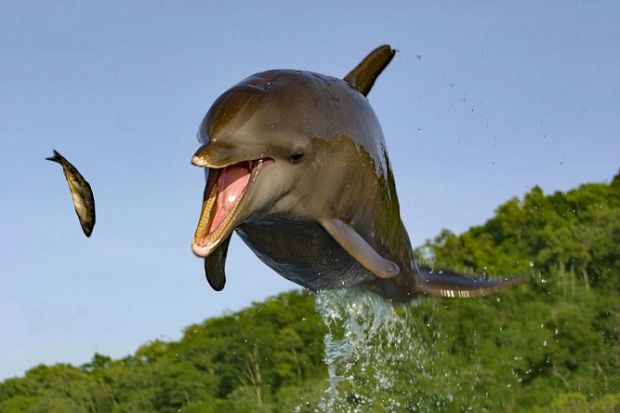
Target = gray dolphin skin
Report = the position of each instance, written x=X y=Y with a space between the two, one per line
x=81 y=193
x=297 y=165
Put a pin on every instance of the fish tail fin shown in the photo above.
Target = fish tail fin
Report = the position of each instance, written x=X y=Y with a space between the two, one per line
x=451 y=284
x=57 y=157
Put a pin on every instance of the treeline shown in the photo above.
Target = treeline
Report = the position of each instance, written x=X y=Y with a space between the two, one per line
x=559 y=336
x=550 y=346
x=268 y=354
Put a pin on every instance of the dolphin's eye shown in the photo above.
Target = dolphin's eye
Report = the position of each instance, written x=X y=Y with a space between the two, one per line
x=296 y=156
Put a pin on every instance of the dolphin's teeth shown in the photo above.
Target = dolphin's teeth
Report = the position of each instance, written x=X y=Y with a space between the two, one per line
x=224 y=197
x=206 y=213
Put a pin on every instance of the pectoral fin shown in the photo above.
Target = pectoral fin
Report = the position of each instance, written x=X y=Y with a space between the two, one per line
x=359 y=249
x=451 y=284
x=214 y=266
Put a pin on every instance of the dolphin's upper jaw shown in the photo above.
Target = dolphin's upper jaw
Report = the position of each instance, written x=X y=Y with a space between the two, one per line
x=200 y=162
x=226 y=188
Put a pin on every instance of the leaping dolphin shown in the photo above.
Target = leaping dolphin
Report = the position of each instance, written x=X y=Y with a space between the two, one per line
x=297 y=166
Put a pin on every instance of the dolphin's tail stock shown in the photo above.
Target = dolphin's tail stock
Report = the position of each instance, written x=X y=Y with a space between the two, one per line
x=451 y=284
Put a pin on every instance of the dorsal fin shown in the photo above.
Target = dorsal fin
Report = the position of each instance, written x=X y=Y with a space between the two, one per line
x=364 y=75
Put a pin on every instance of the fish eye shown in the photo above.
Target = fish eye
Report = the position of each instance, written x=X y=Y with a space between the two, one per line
x=296 y=156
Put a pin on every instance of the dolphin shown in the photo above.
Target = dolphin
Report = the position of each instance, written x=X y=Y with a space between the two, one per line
x=81 y=193
x=297 y=166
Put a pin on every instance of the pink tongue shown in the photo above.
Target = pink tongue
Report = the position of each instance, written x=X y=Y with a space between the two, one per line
x=230 y=184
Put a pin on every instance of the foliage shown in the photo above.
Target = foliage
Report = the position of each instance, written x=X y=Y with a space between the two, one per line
x=551 y=346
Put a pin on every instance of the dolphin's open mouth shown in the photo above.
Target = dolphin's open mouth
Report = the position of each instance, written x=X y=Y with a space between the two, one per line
x=224 y=192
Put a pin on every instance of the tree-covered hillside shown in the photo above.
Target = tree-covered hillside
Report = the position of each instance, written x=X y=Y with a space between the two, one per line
x=549 y=346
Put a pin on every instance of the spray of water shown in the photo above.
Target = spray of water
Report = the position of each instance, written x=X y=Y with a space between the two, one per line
x=374 y=356
x=356 y=324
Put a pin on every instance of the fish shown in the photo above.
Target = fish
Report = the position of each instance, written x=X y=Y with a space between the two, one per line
x=81 y=193
x=297 y=166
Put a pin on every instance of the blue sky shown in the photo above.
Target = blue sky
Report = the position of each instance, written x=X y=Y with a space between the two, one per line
x=483 y=101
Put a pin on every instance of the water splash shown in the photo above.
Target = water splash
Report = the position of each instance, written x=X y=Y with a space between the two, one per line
x=369 y=350
x=356 y=321
x=419 y=357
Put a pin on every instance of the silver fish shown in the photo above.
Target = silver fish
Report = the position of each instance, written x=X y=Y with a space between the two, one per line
x=81 y=193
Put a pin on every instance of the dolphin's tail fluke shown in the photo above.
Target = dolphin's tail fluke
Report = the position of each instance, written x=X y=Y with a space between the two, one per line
x=451 y=284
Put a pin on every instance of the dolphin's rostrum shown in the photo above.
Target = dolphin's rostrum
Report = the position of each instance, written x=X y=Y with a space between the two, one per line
x=297 y=165
x=81 y=193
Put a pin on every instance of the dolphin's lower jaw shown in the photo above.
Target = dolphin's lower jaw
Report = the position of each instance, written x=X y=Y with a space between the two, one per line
x=204 y=250
x=225 y=190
